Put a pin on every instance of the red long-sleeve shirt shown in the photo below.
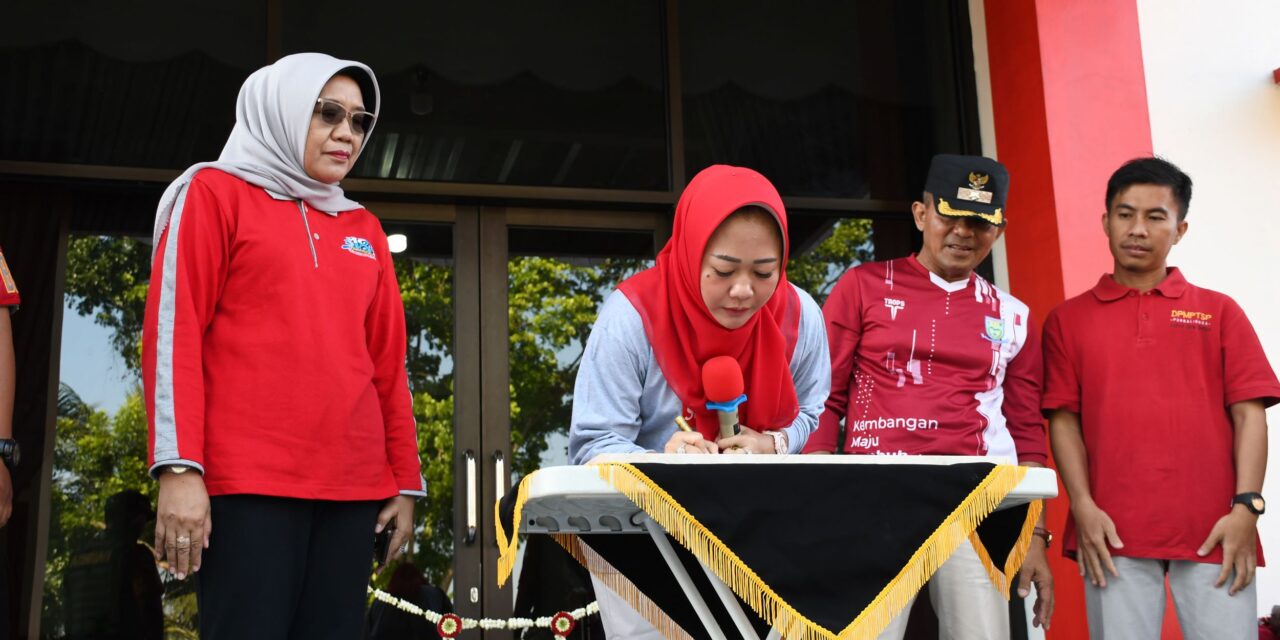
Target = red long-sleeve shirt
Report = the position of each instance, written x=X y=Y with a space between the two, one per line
x=923 y=366
x=274 y=346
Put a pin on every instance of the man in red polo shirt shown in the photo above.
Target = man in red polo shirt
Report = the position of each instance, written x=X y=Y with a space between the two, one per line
x=929 y=358
x=1156 y=391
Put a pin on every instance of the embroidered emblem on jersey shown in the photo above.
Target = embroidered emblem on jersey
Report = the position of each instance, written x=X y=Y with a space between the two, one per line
x=995 y=330
x=9 y=285
x=894 y=307
x=1190 y=319
x=358 y=246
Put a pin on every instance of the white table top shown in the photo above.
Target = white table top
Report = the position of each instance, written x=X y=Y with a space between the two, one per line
x=575 y=499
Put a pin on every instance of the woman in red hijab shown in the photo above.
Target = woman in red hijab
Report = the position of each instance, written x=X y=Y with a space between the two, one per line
x=719 y=288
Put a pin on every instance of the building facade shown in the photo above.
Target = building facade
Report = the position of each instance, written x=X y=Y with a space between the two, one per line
x=521 y=144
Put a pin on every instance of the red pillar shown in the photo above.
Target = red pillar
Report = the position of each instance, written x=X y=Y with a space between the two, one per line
x=1070 y=104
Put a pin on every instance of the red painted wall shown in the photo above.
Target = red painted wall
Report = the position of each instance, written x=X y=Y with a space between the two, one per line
x=1070 y=105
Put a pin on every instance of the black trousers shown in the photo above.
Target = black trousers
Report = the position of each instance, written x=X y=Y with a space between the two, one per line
x=281 y=568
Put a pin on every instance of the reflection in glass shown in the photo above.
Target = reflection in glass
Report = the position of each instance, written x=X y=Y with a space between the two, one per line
x=556 y=281
x=848 y=101
x=530 y=93
x=101 y=580
x=111 y=588
x=425 y=271
x=817 y=262
x=136 y=84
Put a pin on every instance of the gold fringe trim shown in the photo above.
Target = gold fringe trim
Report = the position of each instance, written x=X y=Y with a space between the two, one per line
x=705 y=546
x=1003 y=580
x=935 y=550
x=508 y=544
x=619 y=584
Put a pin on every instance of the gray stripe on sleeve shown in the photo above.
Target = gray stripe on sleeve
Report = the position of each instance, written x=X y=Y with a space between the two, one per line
x=166 y=447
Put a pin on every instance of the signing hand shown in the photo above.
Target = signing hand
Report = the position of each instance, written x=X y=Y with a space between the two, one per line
x=1238 y=534
x=1094 y=531
x=689 y=442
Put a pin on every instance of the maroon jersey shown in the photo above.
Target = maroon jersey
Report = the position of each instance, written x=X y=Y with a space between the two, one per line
x=922 y=366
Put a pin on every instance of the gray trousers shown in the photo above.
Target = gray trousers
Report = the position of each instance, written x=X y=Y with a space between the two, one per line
x=966 y=603
x=1131 y=607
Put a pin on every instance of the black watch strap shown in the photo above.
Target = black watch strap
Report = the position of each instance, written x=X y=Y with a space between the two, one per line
x=9 y=452
x=1252 y=501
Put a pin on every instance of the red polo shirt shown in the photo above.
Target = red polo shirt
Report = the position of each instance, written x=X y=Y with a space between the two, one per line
x=1152 y=376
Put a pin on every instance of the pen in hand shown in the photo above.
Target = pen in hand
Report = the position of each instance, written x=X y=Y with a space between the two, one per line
x=684 y=426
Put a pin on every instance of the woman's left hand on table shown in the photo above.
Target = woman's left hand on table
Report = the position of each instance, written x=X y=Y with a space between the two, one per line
x=748 y=440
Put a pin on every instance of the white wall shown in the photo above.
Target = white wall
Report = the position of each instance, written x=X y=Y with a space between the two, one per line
x=1215 y=112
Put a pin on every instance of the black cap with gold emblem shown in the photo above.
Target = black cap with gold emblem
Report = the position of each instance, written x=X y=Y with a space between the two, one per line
x=968 y=186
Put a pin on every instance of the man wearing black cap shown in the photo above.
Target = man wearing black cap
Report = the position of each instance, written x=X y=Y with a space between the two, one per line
x=929 y=358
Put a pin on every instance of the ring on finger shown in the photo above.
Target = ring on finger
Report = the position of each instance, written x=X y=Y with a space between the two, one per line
x=680 y=449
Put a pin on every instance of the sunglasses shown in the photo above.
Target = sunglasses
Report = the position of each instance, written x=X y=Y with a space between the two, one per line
x=333 y=113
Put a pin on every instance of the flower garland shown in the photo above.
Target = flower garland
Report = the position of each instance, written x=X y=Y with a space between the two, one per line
x=450 y=625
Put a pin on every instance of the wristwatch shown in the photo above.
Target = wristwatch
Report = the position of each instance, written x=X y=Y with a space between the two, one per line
x=1044 y=533
x=10 y=451
x=1252 y=501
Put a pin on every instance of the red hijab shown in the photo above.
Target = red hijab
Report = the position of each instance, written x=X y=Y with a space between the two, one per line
x=682 y=330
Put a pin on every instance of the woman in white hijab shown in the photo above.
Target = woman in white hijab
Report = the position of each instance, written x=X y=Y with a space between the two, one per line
x=273 y=365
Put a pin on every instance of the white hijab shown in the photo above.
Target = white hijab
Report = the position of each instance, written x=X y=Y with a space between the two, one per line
x=273 y=116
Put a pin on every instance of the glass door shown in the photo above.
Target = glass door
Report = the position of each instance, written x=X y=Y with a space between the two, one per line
x=422 y=238
x=526 y=299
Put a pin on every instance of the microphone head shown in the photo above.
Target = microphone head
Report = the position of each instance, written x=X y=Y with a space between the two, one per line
x=722 y=379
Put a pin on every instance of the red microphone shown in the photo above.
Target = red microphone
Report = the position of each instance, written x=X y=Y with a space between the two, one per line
x=722 y=382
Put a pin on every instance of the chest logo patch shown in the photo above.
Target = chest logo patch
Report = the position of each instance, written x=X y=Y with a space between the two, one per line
x=995 y=330
x=894 y=306
x=1190 y=319
x=9 y=285
x=358 y=246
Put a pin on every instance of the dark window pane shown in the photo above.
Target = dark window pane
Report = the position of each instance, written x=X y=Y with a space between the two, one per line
x=580 y=246
x=128 y=84
x=557 y=278
x=565 y=93
x=844 y=99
